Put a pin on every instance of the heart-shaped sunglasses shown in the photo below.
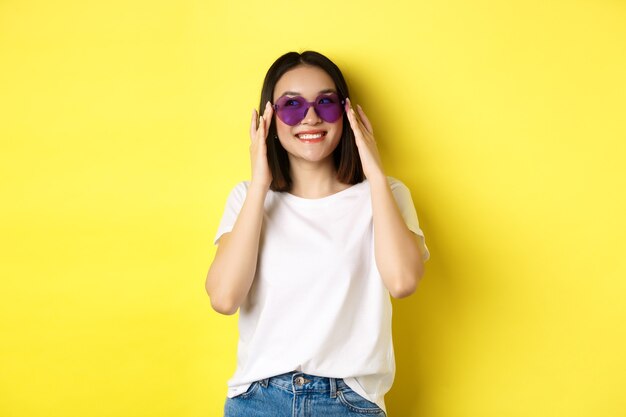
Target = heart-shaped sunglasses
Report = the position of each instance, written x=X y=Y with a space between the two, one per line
x=292 y=110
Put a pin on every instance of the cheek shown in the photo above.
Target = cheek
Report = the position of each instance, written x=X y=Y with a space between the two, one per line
x=338 y=129
x=282 y=129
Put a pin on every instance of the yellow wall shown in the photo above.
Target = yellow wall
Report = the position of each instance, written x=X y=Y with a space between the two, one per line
x=123 y=125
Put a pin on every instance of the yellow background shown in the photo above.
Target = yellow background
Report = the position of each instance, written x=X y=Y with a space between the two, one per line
x=123 y=125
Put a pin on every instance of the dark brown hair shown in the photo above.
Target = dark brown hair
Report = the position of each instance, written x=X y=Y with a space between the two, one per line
x=345 y=156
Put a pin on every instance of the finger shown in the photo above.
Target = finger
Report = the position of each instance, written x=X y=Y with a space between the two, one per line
x=265 y=110
x=360 y=131
x=349 y=107
x=266 y=119
x=350 y=112
x=366 y=121
x=253 y=124
x=260 y=133
x=356 y=116
x=267 y=114
x=354 y=123
x=358 y=120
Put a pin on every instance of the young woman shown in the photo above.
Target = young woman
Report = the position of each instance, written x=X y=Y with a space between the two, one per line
x=309 y=251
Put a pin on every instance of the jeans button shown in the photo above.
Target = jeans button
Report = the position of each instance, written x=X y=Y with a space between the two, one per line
x=299 y=381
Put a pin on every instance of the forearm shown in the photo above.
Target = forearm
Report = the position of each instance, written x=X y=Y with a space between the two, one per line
x=396 y=248
x=232 y=271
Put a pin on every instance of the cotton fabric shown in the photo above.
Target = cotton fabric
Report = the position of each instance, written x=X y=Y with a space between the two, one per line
x=318 y=304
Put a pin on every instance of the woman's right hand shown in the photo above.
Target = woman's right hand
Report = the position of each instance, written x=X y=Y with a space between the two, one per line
x=259 y=126
x=234 y=266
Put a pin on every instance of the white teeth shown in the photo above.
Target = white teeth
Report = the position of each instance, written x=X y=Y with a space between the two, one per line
x=308 y=137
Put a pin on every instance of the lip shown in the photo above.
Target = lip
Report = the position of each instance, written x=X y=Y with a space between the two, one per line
x=323 y=134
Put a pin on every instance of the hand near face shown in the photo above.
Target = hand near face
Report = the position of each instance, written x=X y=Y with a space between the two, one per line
x=365 y=142
x=259 y=125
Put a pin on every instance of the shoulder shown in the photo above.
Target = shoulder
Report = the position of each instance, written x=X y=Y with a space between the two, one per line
x=397 y=185
x=238 y=193
x=401 y=192
x=241 y=188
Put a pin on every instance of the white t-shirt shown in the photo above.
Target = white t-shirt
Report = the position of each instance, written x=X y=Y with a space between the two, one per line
x=318 y=304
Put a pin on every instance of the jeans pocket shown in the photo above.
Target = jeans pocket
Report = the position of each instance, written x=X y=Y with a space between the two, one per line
x=354 y=402
x=252 y=389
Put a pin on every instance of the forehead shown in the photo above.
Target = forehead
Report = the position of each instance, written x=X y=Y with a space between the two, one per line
x=308 y=81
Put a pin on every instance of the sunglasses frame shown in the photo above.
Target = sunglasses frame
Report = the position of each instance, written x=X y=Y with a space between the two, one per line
x=306 y=105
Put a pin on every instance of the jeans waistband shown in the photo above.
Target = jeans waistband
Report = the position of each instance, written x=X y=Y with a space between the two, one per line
x=299 y=382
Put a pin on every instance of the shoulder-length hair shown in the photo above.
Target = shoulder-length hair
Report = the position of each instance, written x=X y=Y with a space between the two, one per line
x=345 y=155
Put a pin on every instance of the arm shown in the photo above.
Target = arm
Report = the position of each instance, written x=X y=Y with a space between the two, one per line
x=234 y=266
x=396 y=248
x=232 y=271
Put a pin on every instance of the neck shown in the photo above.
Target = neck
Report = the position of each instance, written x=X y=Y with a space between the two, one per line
x=315 y=180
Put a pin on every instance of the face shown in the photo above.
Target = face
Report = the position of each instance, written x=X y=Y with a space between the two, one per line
x=313 y=138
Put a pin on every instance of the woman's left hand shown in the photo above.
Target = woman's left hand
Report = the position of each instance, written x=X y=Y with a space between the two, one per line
x=365 y=142
x=396 y=248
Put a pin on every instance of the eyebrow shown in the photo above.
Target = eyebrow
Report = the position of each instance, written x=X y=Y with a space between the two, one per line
x=294 y=93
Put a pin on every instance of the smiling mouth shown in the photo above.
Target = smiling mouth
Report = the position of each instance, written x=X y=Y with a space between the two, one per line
x=311 y=137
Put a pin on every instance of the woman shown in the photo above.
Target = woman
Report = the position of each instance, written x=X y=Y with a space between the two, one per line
x=309 y=251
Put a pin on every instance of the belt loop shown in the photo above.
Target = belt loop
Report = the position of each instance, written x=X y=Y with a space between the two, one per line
x=264 y=382
x=333 y=388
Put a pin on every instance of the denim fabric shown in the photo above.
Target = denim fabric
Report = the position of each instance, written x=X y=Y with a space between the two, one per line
x=300 y=395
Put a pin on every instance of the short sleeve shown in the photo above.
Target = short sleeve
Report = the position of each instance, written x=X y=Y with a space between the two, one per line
x=403 y=198
x=231 y=211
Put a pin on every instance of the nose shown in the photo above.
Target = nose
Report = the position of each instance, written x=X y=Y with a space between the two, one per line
x=311 y=117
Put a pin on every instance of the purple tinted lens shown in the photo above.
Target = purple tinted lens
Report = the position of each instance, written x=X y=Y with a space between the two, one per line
x=292 y=110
